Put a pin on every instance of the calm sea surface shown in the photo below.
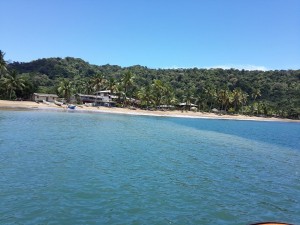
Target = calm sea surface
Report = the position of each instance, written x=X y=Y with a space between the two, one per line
x=80 y=168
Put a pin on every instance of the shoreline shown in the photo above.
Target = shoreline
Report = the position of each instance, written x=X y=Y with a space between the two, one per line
x=30 y=105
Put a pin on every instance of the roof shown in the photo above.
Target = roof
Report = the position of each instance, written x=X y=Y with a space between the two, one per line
x=45 y=95
x=91 y=96
x=106 y=91
x=183 y=104
x=166 y=106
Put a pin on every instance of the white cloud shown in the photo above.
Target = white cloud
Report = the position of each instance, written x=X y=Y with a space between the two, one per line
x=240 y=67
x=180 y=67
x=229 y=66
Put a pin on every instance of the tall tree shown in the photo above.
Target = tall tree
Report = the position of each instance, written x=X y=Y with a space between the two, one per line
x=224 y=98
x=78 y=84
x=158 y=90
x=244 y=100
x=65 y=89
x=11 y=83
x=88 y=87
x=112 y=85
x=145 y=95
x=187 y=98
x=211 y=94
x=169 y=97
x=255 y=93
x=98 y=82
x=200 y=100
x=237 y=98
x=29 y=88
x=127 y=81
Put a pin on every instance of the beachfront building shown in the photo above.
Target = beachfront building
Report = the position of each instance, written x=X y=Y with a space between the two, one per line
x=106 y=95
x=100 y=98
x=165 y=107
x=39 y=97
x=87 y=98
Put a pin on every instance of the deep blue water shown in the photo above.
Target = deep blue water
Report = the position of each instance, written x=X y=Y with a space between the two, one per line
x=80 y=168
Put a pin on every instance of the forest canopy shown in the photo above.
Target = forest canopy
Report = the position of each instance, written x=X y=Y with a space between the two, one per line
x=269 y=93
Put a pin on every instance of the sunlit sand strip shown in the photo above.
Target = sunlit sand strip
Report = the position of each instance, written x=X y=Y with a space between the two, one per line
x=176 y=113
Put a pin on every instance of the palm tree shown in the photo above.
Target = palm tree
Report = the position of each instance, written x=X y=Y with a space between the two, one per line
x=212 y=96
x=237 y=98
x=3 y=65
x=79 y=85
x=112 y=85
x=187 y=98
x=224 y=98
x=145 y=95
x=88 y=86
x=266 y=108
x=169 y=96
x=127 y=81
x=65 y=89
x=200 y=101
x=11 y=83
x=29 y=87
x=98 y=81
x=158 y=90
x=255 y=93
x=244 y=100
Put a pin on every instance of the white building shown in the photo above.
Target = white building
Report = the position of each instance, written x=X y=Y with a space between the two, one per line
x=39 y=97
x=101 y=98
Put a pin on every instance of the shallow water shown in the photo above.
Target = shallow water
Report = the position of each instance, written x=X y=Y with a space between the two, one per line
x=80 y=168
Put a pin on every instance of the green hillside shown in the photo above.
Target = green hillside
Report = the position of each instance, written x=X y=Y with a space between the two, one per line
x=234 y=91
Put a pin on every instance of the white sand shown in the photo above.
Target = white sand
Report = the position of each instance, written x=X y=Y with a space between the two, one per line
x=176 y=113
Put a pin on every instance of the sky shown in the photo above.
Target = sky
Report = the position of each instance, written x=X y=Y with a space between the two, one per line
x=242 y=34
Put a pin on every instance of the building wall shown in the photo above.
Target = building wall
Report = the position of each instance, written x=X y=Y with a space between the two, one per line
x=39 y=98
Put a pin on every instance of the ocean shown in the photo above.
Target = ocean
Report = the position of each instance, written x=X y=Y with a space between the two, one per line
x=93 y=168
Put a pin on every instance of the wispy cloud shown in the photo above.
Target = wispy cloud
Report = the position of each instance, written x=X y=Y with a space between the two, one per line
x=240 y=67
x=180 y=67
x=229 y=66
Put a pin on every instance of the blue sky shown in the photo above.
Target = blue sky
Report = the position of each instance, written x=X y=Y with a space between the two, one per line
x=262 y=34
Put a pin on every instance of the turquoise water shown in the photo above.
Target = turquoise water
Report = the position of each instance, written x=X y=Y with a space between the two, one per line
x=79 y=168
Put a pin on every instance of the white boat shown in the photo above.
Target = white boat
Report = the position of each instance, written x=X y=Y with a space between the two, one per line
x=45 y=102
x=58 y=103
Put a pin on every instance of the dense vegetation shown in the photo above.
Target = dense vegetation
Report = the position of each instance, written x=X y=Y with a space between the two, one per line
x=266 y=93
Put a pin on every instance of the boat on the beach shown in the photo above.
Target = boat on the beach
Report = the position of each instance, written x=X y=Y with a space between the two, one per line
x=45 y=102
x=71 y=106
x=58 y=103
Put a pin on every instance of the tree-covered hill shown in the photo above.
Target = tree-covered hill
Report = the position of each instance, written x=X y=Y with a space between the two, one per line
x=254 y=92
x=56 y=67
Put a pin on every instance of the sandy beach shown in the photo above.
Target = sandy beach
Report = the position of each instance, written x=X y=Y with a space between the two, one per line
x=29 y=105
